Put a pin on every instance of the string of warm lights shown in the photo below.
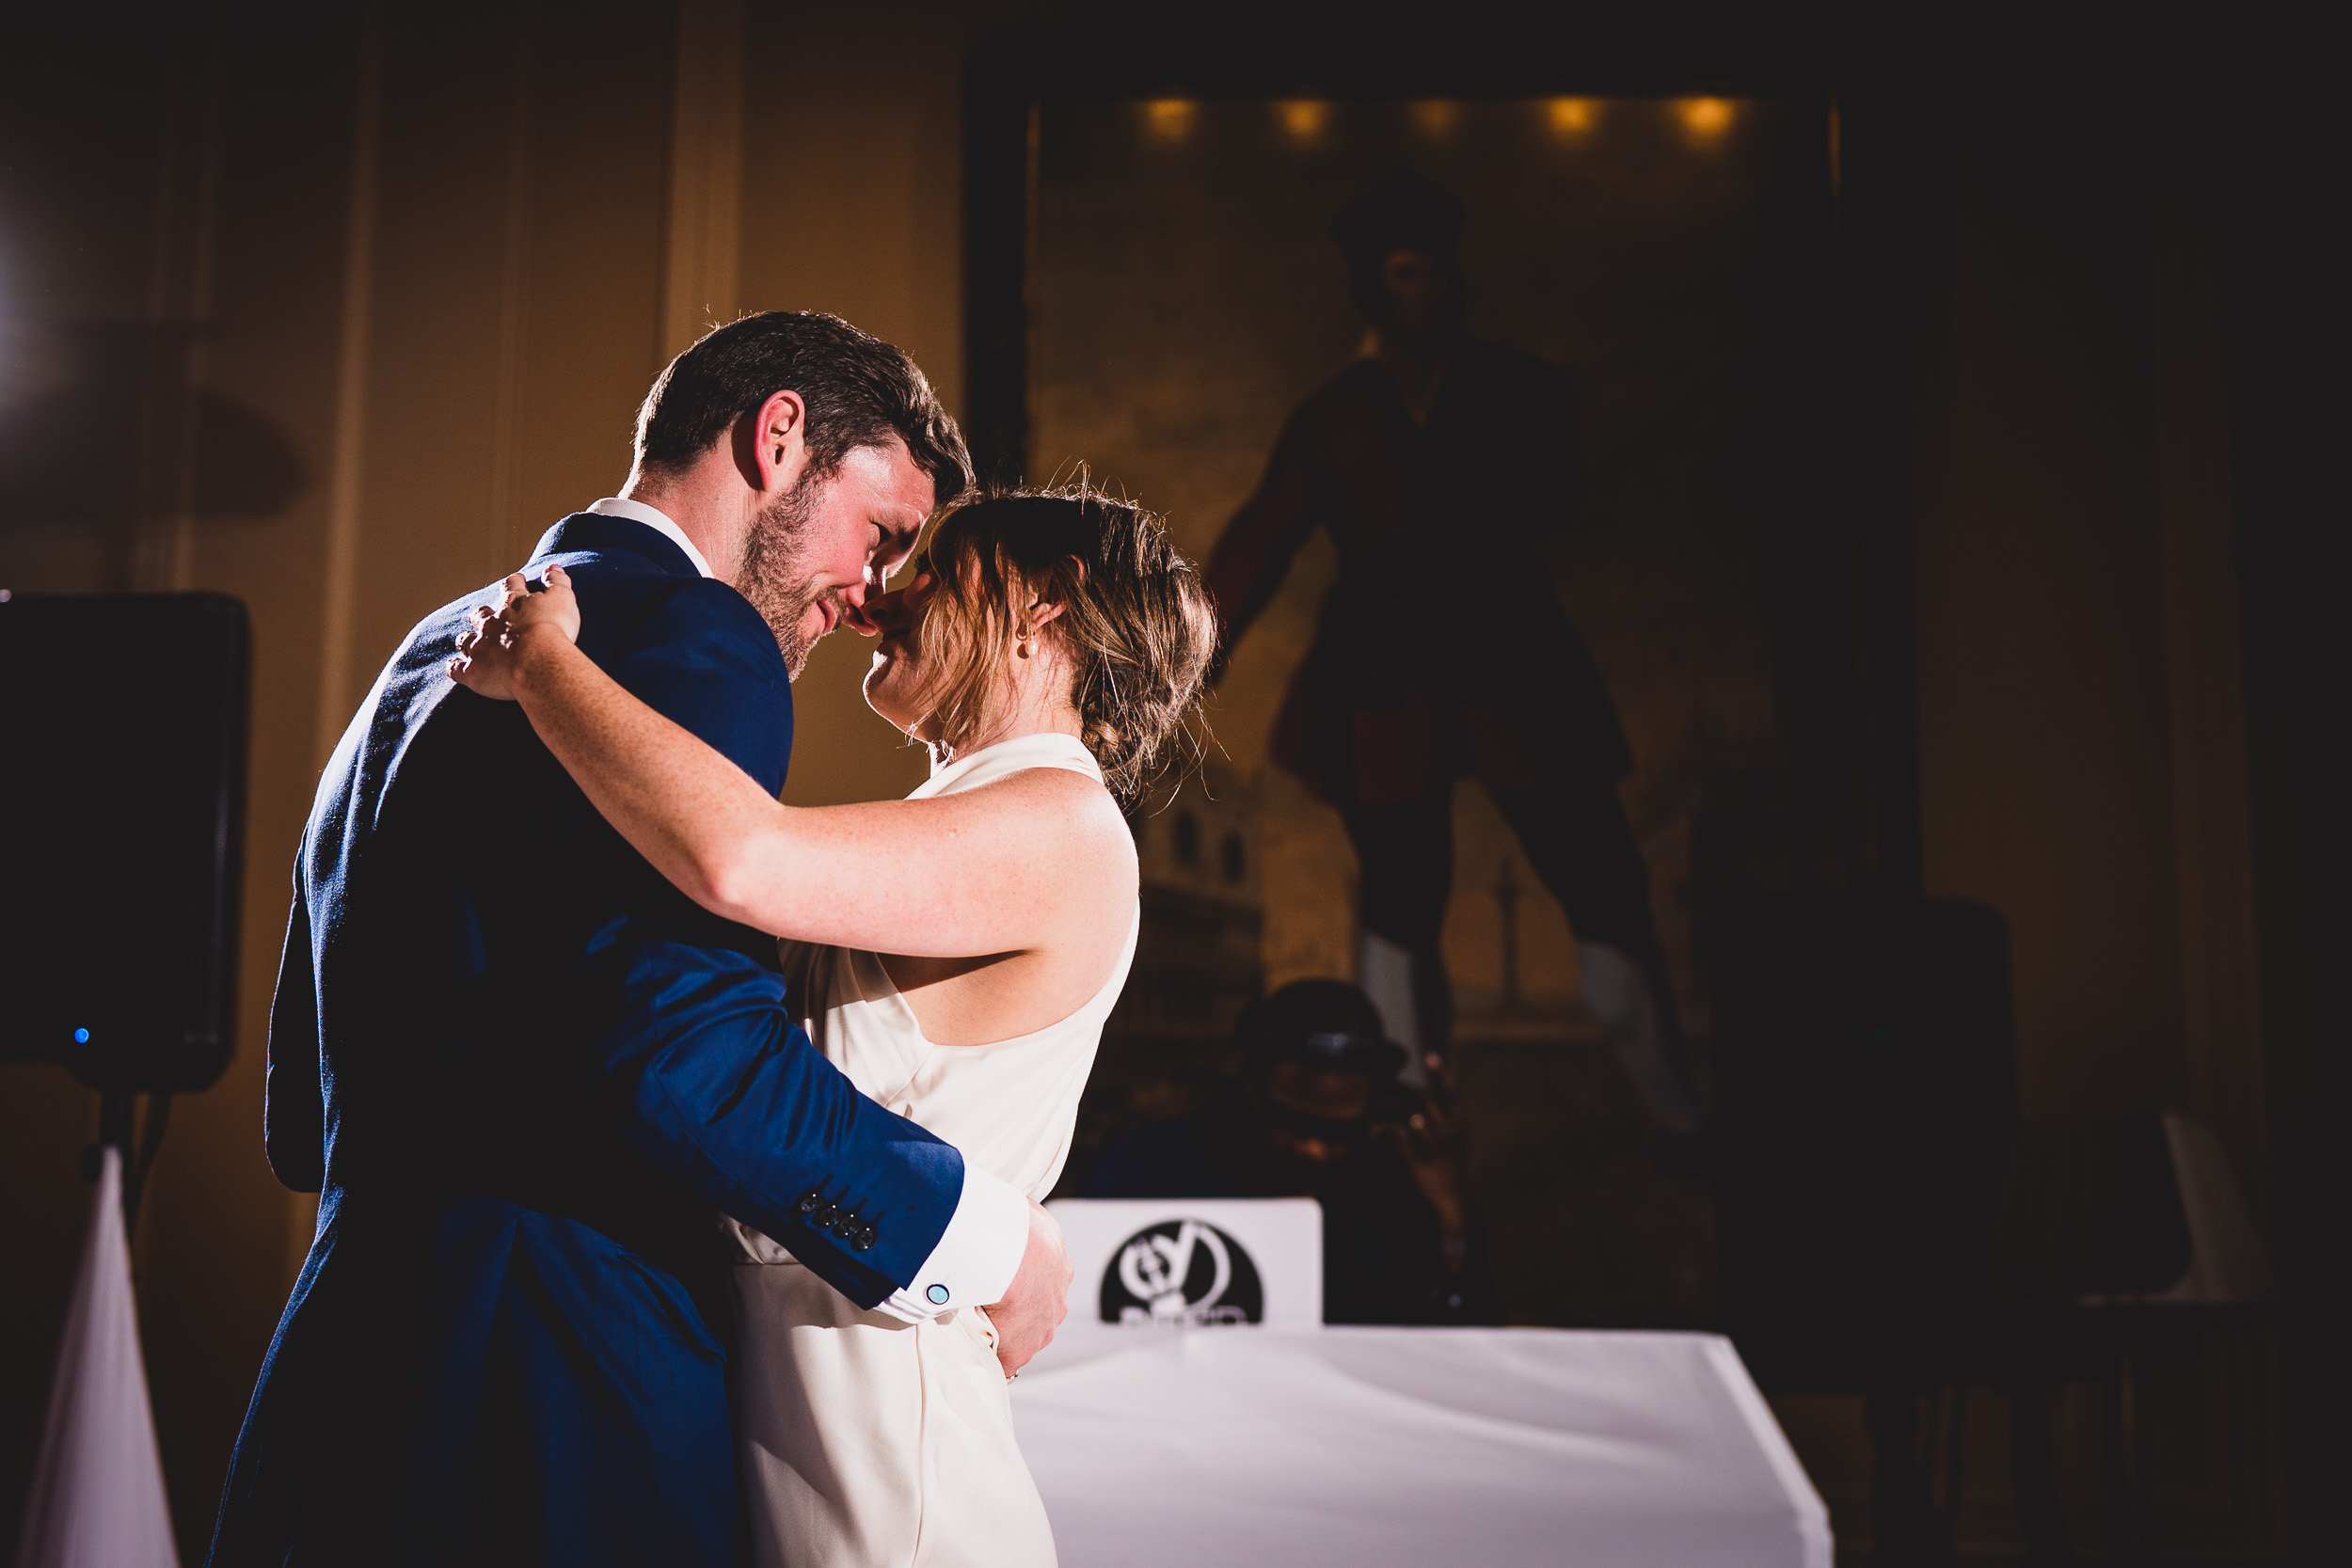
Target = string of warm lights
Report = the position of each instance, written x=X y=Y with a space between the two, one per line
x=1302 y=118
x=1702 y=122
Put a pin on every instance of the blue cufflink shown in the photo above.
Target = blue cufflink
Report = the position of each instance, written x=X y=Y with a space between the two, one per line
x=938 y=1294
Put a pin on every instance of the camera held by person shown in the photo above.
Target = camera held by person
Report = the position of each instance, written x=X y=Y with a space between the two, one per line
x=1318 y=1111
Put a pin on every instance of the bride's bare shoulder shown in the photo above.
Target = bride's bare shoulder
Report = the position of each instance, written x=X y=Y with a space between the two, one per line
x=1065 y=805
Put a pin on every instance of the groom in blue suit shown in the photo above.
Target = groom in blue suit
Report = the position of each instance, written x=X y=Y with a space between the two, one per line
x=521 y=1070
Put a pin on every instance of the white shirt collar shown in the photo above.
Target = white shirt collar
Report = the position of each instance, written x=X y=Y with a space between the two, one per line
x=638 y=511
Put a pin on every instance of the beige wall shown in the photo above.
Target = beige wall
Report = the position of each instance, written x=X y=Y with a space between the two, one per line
x=852 y=201
x=212 y=1242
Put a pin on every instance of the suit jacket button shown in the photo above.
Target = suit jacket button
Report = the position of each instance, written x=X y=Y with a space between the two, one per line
x=809 y=1201
x=843 y=1226
x=864 y=1240
x=824 y=1217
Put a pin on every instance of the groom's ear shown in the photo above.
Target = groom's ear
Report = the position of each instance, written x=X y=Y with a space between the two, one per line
x=772 y=445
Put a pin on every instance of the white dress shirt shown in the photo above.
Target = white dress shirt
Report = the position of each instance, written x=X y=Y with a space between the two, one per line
x=988 y=1235
x=653 y=518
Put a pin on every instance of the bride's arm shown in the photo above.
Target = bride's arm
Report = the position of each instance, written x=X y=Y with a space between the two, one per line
x=1005 y=867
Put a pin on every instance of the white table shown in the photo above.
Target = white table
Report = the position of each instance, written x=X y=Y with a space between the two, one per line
x=1365 y=1447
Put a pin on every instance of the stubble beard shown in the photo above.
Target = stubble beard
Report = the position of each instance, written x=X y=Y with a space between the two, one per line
x=775 y=576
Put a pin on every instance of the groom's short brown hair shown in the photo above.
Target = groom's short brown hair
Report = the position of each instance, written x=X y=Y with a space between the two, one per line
x=860 y=392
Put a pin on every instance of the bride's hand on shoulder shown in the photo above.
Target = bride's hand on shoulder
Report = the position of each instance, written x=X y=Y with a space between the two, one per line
x=492 y=650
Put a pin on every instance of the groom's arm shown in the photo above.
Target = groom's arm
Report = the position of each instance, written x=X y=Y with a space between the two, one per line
x=714 y=1083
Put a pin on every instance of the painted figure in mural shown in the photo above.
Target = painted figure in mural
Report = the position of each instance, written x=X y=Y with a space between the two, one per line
x=1437 y=464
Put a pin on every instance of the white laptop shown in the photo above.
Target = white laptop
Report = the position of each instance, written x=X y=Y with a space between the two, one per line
x=1165 y=1265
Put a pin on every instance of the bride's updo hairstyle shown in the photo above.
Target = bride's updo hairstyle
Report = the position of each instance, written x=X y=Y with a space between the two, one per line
x=1137 y=626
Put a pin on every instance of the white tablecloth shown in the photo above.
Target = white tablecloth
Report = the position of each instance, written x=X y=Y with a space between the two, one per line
x=1461 y=1448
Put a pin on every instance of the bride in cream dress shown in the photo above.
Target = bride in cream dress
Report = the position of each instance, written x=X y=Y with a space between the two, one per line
x=954 y=953
x=864 y=1439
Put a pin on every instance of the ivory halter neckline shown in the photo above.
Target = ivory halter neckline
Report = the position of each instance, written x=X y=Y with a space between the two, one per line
x=1044 y=748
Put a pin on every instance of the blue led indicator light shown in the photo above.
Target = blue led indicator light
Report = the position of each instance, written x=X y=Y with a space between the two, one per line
x=81 y=1036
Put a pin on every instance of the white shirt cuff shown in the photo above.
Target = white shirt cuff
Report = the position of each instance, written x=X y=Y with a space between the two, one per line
x=975 y=1259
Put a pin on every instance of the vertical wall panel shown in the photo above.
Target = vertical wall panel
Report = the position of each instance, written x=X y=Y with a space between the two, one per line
x=432 y=390
x=219 y=1228
x=852 y=175
x=598 y=189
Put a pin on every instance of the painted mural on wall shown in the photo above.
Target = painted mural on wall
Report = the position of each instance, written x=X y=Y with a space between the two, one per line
x=1187 y=294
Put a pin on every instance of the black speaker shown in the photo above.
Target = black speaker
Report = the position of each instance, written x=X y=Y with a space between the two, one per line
x=122 y=751
x=1865 y=1089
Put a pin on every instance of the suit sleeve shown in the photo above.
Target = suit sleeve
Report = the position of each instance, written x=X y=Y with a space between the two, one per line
x=712 y=1079
x=293 y=1103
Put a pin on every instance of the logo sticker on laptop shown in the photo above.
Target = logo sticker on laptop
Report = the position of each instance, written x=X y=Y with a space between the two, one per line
x=1181 y=1272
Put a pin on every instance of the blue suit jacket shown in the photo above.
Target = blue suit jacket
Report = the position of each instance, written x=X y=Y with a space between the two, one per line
x=520 y=1069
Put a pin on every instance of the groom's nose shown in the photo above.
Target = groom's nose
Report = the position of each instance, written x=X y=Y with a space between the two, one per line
x=865 y=611
x=853 y=596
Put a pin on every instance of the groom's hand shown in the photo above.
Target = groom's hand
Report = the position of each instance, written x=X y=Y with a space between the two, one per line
x=1039 y=1296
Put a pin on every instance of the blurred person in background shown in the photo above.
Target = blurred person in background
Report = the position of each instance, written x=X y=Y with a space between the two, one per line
x=1318 y=1112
